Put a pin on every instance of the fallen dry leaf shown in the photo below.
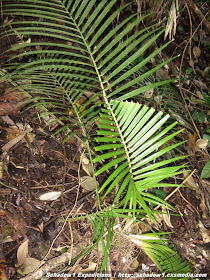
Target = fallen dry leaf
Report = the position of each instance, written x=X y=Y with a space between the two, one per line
x=190 y=182
x=86 y=164
x=51 y=265
x=201 y=143
x=204 y=232
x=12 y=95
x=162 y=74
x=11 y=108
x=50 y=196
x=87 y=168
x=87 y=183
x=166 y=218
x=84 y=159
x=22 y=253
x=7 y=120
x=29 y=265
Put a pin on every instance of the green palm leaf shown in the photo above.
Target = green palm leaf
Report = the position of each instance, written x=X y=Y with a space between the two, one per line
x=166 y=259
x=80 y=55
x=87 y=55
x=163 y=254
x=132 y=133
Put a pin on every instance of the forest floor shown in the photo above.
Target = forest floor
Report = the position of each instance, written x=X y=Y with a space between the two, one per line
x=33 y=164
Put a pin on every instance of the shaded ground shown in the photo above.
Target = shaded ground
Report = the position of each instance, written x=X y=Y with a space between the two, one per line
x=35 y=163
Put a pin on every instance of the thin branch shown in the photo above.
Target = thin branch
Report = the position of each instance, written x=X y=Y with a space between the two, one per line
x=175 y=190
x=199 y=13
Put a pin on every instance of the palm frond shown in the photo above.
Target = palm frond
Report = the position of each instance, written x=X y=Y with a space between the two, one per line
x=163 y=253
x=79 y=48
x=79 y=55
x=99 y=225
x=167 y=260
x=133 y=143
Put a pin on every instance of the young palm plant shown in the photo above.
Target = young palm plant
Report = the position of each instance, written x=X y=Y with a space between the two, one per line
x=77 y=51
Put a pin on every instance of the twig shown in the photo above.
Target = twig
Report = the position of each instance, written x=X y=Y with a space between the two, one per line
x=188 y=202
x=13 y=142
x=199 y=13
x=190 y=41
x=175 y=190
x=9 y=187
x=50 y=265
